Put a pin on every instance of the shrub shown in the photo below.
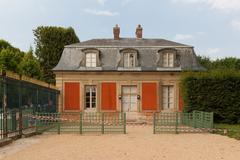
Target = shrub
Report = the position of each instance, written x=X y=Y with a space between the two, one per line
x=216 y=91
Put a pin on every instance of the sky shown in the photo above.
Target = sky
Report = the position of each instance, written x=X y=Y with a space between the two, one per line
x=211 y=26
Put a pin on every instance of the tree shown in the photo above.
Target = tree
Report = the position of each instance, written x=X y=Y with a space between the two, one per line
x=30 y=66
x=50 y=42
x=4 y=44
x=10 y=58
x=228 y=63
x=205 y=61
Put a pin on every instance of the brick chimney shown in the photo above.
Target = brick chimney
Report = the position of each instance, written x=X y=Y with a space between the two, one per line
x=116 y=32
x=139 y=31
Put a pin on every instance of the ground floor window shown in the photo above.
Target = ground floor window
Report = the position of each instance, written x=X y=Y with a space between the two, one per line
x=168 y=97
x=90 y=97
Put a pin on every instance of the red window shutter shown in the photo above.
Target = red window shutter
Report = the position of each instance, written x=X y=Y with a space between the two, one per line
x=108 y=99
x=149 y=96
x=181 y=102
x=72 y=96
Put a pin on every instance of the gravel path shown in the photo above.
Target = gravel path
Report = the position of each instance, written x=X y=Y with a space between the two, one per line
x=138 y=144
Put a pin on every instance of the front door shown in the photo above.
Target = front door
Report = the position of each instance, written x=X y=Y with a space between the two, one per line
x=129 y=98
x=90 y=98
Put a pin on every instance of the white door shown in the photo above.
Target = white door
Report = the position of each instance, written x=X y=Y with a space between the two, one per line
x=90 y=98
x=129 y=98
x=168 y=97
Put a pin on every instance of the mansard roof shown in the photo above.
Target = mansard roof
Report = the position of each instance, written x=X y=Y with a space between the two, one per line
x=128 y=42
x=110 y=55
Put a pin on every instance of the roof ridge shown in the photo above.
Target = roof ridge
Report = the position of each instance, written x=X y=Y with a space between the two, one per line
x=125 y=41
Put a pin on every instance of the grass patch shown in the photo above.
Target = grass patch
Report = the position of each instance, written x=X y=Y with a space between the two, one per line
x=231 y=130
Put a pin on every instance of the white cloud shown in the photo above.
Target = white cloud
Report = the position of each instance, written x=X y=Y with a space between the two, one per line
x=101 y=12
x=225 y=5
x=213 y=51
x=235 y=24
x=102 y=2
x=182 y=37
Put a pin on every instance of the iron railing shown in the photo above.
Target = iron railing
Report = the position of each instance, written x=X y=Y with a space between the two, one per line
x=83 y=122
x=179 y=122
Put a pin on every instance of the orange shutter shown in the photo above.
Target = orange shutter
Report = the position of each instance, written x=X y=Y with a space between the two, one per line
x=108 y=99
x=72 y=96
x=181 y=102
x=149 y=96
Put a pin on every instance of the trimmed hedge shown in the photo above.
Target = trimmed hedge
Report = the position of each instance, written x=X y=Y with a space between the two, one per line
x=215 y=91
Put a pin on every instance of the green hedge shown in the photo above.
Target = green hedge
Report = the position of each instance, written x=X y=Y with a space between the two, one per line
x=215 y=91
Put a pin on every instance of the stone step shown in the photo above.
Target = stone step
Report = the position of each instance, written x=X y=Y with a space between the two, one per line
x=139 y=118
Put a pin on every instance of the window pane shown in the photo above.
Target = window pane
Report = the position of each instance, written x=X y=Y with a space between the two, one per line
x=93 y=64
x=90 y=97
x=91 y=59
x=125 y=60
x=131 y=60
x=88 y=64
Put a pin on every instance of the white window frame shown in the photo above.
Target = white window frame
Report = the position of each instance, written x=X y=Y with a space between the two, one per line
x=168 y=61
x=91 y=60
x=167 y=102
x=92 y=89
x=128 y=61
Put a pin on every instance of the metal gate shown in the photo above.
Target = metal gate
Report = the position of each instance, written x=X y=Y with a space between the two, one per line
x=84 y=122
x=179 y=122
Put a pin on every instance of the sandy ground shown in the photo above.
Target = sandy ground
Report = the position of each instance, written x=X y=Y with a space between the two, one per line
x=138 y=144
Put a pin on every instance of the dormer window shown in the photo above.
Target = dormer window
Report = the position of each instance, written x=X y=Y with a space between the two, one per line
x=168 y=59
x=91 y=59
x=129 y=60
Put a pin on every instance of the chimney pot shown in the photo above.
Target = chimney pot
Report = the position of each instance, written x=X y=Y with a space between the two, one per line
x=139 y=30
x=116 y=32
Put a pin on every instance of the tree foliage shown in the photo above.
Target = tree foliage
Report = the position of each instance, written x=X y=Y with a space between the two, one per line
x=9 y=59
x=50 y=42
x=14 y=60
x=4 y=44
x=30 y=66
x=230 y=63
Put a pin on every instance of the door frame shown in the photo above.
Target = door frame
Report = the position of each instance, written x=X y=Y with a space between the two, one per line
x=137 y=93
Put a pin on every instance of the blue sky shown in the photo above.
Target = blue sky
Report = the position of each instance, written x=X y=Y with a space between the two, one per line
x=211 y=26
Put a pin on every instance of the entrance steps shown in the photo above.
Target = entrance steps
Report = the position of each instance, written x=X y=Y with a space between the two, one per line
x=135 y=118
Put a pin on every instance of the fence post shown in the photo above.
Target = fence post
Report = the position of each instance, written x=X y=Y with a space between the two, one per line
x=5 y=120
x=212 y=118
x=59 y=122
x=36 y=115
x=203 y=125
x=176 y=127
x=124 y=123
x=194 y=119
x=102 y=123
x=154 y=123
x=20 y=108
x=81 y=123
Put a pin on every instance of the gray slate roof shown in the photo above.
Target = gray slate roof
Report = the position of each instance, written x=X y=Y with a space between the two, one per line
x=128 y=42
x=111 y=58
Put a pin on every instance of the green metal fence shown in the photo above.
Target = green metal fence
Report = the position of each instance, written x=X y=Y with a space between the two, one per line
x=178 y=122
x=16 y=123
x=84 y=122
x=20 y=98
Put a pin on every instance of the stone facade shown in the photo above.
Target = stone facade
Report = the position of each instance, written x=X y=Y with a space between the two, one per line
x=123 y=74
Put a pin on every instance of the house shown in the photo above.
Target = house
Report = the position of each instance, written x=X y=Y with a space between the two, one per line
x=123 y=74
